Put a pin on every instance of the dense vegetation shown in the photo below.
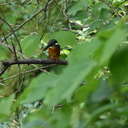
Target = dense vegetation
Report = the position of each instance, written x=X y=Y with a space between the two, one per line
x=91 y=91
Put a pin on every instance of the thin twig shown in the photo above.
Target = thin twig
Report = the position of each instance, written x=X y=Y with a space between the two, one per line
x=25 y=72
x=45 y=9
x=45 y=26
x=8 y=83
x=7 y=42
x=53 y=21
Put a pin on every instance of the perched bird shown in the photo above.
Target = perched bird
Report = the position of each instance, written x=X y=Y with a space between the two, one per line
x=53 y=49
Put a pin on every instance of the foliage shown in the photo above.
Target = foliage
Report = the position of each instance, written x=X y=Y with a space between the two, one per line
x=92 y=90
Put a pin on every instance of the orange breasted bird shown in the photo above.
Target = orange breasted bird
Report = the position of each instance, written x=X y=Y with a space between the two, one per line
x=53 y=49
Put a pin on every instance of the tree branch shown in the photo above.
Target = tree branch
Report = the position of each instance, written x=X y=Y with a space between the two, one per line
x=7 y=64
x=34 y=61
x=4 y=69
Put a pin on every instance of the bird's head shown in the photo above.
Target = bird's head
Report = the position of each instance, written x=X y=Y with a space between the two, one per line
x=52 y=42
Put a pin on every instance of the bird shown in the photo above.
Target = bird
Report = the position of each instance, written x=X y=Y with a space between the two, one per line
x=53 y=49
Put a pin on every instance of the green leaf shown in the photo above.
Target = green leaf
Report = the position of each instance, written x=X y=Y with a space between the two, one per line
x=5 y=106
x=99 y=111
x=30 y=44
x=104 y=14
x=119 y=64
x=110 y=39
x=97 y=8
x=95 y=25
x=104 y=92
x=84 y=3
x=11 y=17
x=39 y=86
x=99 y=96
x=37 y=119
x=75 y=8
x=87 y=49
x=90 y=86
x=112 y=43
x=80 y=5
x=80 y=16
x=64 y=38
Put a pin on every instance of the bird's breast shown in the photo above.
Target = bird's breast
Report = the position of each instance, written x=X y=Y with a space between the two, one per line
x=54 y=52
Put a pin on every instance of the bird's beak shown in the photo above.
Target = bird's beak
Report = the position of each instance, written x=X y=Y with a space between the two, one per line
x=46 y=47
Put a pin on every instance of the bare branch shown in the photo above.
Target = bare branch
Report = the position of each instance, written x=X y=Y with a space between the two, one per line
x=34 y=61
x=7 y=64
